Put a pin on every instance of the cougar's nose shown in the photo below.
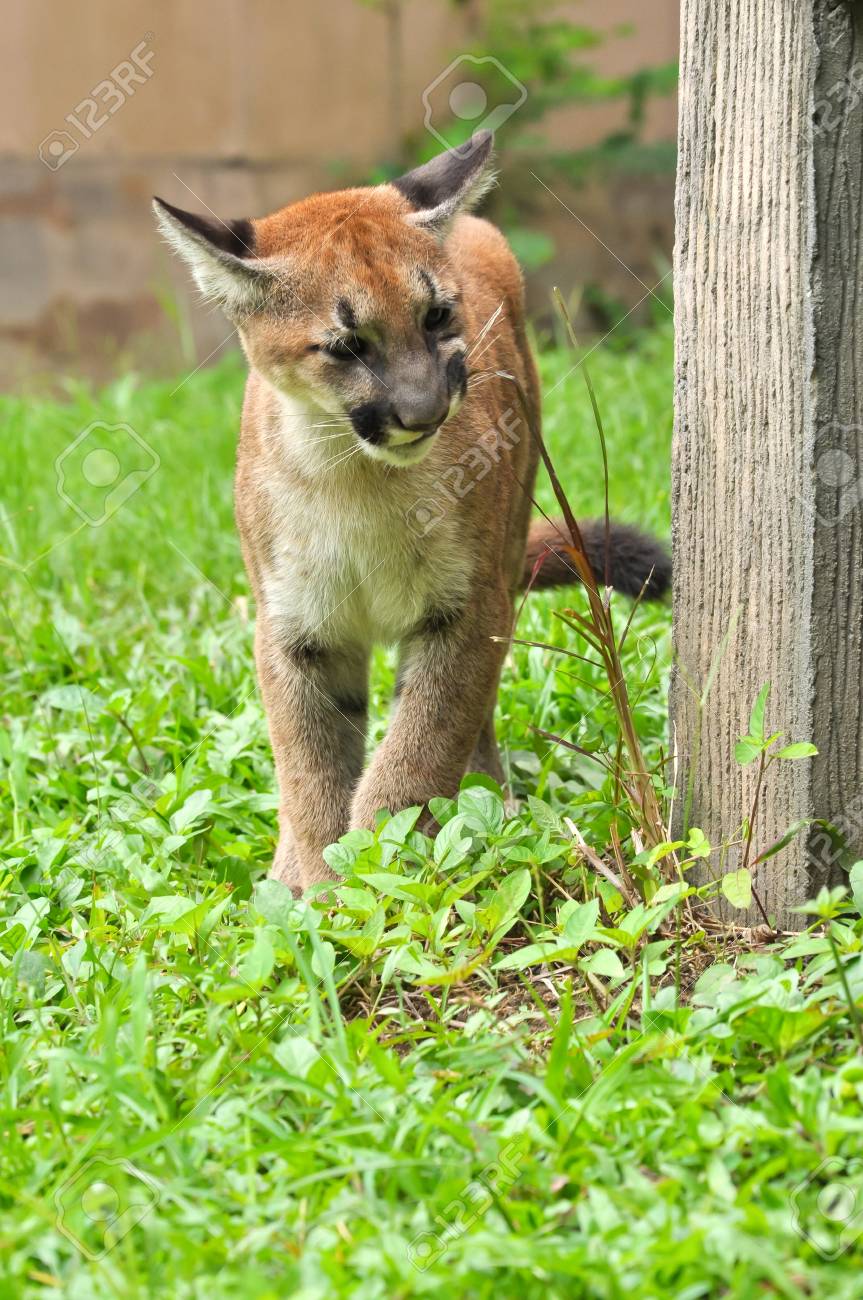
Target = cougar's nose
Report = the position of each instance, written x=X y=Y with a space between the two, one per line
x=415 y=426
x=420 y=412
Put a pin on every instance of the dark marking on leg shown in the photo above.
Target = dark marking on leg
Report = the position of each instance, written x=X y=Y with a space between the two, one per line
x=438 y=621
x=304 y=650
x=351 y=703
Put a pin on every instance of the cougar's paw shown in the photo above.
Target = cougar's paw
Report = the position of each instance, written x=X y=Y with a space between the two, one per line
x=372 y=796
x=286 y=867
x=298 y=870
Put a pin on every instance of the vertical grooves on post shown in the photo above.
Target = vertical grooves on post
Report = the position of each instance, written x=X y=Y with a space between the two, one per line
x=743 y=411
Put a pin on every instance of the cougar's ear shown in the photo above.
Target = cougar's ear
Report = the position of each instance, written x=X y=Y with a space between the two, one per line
x=221 y=255
x=452 y=182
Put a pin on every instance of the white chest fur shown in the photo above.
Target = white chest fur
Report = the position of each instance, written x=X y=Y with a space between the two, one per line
x=360 y=552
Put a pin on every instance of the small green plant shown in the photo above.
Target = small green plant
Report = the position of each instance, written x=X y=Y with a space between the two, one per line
x=755 y=746
x=831 y=906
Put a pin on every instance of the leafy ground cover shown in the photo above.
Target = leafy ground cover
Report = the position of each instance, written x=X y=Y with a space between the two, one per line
x=481 y=1065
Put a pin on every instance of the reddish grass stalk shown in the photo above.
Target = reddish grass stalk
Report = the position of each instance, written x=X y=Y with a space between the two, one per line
x=598 y=629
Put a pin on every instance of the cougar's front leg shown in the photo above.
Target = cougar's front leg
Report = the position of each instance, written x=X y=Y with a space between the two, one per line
x=486 y=755
x=448 y=679
x=316 y=702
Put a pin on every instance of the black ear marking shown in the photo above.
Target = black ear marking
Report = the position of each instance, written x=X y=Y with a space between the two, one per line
x=234 y=237
x=452 y=181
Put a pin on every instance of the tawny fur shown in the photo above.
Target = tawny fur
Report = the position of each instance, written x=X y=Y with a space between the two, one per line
x=349 y=543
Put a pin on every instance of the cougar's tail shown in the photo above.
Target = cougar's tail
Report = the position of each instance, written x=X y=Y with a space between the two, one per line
x=633 y=558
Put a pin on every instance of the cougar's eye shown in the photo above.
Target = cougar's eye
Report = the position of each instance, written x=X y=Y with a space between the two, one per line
x=437 y=317
x=352 y=348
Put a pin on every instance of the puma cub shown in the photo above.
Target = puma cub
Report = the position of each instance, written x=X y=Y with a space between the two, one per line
x=382 y=484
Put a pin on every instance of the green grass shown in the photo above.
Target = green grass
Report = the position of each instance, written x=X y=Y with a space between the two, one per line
x=479 y=1072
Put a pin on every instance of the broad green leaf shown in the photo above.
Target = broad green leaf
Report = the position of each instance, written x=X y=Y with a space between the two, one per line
x=544 y=815
x=531 y=955
x=31 y=967
x=213 y=916
x=737 y=887
x=636 y=920
x=411 y=960
x=671 y=893
x=323 y=958
x=167 y=908
x=453 y=842
x=392 y=837
x=296 y=1054
x=747 y=750
x=459 y=888
x=604 y=961
x=791 y=834
x=801 y=749
x=256 y=965
x=698 y=843
x=663 y=850
x=611 y=896
x=855 y=879
x=72 y=699
x=756 y=719
x=394 y=886
x=482 y=809
x=357 y=900
x=621 y=936
x=191 y=810
x=180 y=915
x=581 y=922
x=507 y=901
x=340 y=857
x=442 y=810
x=364 y=942
x=276 y=903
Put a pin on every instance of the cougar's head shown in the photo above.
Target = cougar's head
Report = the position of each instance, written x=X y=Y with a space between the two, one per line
x=346 y=302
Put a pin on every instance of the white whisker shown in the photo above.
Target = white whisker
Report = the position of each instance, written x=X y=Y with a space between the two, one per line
x=493 y=339
x=302 y=415
x=486 y=327
x=341 y=457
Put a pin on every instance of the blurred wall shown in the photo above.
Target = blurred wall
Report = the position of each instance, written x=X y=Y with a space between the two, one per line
x=242 y=106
